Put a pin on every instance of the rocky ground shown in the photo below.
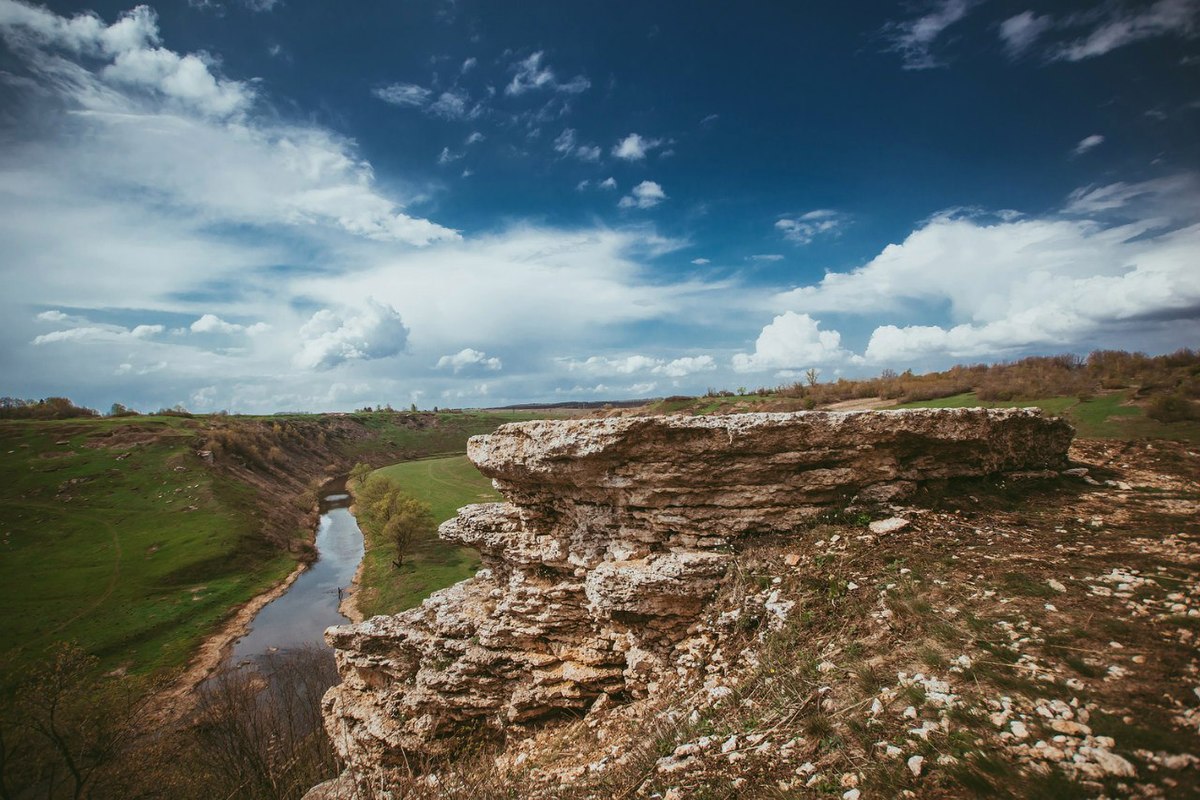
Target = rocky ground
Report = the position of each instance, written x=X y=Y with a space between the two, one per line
x=1016 y=637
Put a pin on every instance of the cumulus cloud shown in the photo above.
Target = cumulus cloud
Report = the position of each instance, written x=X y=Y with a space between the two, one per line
x=531 y=73
x=130 y=57
x=646 y=194
x=468 y=357
x=53 y=315
x=634 y=147
x=808 y=226
x=211 y=323
x=1088 y=143
x=914 y=39
x=791 y=341
x=1060 y=281
x=142 y=111
x=330 y=338
x=608 y=183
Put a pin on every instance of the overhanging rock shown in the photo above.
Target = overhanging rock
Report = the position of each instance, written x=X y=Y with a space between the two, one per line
x=614 y=535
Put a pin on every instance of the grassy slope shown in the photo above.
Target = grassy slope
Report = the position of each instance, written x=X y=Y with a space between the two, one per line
x=138 y=550
x=135 y=551
x=1107 y=416
x=446 y=484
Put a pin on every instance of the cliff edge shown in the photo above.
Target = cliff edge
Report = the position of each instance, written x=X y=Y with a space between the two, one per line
x=615 y=535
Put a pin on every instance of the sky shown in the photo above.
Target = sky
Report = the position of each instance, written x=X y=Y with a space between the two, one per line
x=291 y=205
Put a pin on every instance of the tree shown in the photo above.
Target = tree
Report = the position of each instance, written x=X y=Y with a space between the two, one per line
x=360 y=472
x=811 y=375
x=391 y=515
x=68 y=728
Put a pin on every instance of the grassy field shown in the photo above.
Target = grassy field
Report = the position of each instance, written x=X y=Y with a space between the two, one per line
x=1105 y=416
x=446 y=484
x=117 y=536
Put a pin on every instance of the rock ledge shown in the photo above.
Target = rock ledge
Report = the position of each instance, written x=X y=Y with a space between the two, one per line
x=615 y=534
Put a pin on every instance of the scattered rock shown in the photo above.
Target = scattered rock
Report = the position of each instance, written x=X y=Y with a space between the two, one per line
x=889 y=525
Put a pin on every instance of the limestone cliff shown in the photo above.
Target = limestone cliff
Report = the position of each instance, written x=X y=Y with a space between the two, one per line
x=615 y=534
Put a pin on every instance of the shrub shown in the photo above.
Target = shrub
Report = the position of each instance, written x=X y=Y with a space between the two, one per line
x=1172 y=408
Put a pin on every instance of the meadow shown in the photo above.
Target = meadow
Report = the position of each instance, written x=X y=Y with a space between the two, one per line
x=445 y=483
x=117 y=535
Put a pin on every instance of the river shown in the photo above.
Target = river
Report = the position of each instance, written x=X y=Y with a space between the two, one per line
x=298 y=618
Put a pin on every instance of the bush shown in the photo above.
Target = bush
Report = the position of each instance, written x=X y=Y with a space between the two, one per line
x=1172 y=408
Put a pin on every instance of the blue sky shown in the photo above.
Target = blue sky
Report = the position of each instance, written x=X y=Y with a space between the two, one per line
x=258 y=206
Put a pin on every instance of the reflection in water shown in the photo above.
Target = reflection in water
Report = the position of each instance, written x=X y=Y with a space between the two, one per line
x=300 y=616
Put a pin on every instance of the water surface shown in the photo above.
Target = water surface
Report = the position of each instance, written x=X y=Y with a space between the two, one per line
x=299 y=617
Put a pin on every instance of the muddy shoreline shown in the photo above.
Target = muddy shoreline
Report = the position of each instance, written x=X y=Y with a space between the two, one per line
x=179 y=697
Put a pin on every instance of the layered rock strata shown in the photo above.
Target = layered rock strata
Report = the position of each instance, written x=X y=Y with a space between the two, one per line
x=615 y=534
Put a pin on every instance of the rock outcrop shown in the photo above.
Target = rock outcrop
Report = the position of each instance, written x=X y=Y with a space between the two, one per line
x=615 y=534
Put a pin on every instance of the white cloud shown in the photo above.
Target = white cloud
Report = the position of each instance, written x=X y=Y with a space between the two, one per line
x=445 y=157
x=1158 y=197
x=129 y=57
x=914 y=39
x=94 y=332
x=633 y=364
x=1119 y=27
x=646 y=194
x=1088 y=143
x=566 y=144
x=469 y=65
x=1052 y=282
x=403 y=94
x=468 y=357
x=475 y=138
x=530 y=74
x=211 y=323
x=687 y=365
x=808 y=226
x=1020 y=32
x=454 y=104
x=700 y=261
x=791 y=341
x=634 y=147
x=608 y=183
x=372 y=331
x=53 y=315
x=137 y=113
x=767 y=257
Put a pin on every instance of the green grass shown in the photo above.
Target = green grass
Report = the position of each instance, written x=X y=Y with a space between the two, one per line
x=117 y=536
x=133 y=550
x=1106 y=416
x=397 y=433
x=446 y=484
